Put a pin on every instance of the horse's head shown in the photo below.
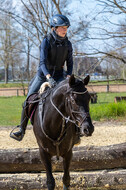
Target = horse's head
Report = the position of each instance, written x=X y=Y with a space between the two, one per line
x=77 y=102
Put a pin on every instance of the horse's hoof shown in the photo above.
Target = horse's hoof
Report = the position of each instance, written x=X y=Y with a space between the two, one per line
x=65 y=188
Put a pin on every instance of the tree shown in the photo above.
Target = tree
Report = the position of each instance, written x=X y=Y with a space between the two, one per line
x=39 y=12
x=112 y=32
x=10 y=42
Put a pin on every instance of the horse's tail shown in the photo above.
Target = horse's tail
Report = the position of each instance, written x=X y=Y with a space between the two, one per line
x=43 y=87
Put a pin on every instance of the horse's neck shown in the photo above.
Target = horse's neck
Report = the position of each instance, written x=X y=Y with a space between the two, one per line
x=58 y=104
x=55 y=106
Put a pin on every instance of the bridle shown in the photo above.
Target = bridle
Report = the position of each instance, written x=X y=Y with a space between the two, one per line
x=69 y=101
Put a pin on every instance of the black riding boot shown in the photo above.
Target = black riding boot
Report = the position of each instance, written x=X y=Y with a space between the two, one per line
x=18 y=135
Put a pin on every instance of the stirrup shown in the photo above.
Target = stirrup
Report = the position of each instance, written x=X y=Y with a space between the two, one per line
x=12 y=135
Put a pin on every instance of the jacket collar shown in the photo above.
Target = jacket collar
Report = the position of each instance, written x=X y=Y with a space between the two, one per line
x=57 y=37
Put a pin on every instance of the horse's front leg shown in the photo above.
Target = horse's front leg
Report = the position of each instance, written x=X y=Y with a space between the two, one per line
x=66 y=165
x=46 y=158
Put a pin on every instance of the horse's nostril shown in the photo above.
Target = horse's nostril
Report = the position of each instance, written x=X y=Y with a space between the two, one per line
x=86 y=131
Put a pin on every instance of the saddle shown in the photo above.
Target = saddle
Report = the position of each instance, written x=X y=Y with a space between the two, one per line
x=34 y=99
x=31 y=106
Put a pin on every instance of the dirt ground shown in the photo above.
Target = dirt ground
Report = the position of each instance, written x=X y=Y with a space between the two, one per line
x=106 y=133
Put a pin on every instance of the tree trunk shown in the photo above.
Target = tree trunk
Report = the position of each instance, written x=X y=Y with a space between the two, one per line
x=79 y=180
x=28 y=59
x=6 y=74
x=12 y=65
x=84 y=158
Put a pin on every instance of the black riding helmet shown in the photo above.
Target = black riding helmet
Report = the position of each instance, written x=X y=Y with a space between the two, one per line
x=59 y=20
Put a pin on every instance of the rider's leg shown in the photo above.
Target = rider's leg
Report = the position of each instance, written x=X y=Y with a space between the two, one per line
x=22 y=127
x=35 y=86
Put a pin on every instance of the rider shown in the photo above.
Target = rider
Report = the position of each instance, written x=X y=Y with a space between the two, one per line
x=55 y=49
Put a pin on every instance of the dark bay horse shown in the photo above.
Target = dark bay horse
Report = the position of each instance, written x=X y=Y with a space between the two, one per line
x=55 y=123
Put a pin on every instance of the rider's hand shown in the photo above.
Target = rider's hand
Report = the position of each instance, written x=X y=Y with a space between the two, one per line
x=68 y=76
x=52 y=82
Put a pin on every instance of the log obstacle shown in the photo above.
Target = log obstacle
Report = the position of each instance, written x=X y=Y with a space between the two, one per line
x=97 y=180
x=84 y=159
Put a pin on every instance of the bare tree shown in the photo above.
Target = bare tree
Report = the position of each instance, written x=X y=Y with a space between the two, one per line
x=10 y=42
x=35 y=19
x=38 y=14
x=114 y=34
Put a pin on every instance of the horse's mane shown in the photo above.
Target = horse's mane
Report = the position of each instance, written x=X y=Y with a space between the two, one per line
x=78 y=85
x=62 y=83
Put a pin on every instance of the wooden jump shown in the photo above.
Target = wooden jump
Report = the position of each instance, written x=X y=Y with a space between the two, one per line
x=84 y=158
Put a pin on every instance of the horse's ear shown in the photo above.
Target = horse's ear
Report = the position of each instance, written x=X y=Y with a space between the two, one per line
x=86 y=80
x=72 y=80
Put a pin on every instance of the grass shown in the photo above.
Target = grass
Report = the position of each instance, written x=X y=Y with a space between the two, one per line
x=106 y=82
x=19 y=84
x=108 y=111
x=105 y=109
x=10 y=110
x=11 y=85
x=108 y=97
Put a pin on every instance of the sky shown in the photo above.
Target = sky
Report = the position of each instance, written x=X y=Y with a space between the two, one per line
x=86 y=8
x=89 y=9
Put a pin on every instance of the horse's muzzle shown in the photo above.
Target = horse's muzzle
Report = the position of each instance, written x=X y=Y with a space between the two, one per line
x=86 y=130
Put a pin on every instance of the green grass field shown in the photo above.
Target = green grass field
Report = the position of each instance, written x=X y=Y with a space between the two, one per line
x=106 y=82
x=11 y=85
x=108 y=111
x=108 y=97
x=19 y=84
x=10 y=108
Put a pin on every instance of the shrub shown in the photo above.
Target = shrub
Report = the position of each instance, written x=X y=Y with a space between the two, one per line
x=108 y=111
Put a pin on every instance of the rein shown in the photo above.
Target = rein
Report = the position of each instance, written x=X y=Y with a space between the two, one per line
x=64 y=117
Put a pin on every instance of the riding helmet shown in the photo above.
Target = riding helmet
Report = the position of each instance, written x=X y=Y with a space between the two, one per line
x=59 y=20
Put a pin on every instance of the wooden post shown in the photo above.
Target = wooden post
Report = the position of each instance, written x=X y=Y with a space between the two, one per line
x=24 y=91
x=107 y=87
x=17 y=92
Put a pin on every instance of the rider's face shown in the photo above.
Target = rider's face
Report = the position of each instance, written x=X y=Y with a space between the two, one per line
x=61 y=31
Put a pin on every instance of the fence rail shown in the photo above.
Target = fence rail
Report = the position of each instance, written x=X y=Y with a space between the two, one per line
x=13 y=91
x=91 y=88
x=107 y=88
